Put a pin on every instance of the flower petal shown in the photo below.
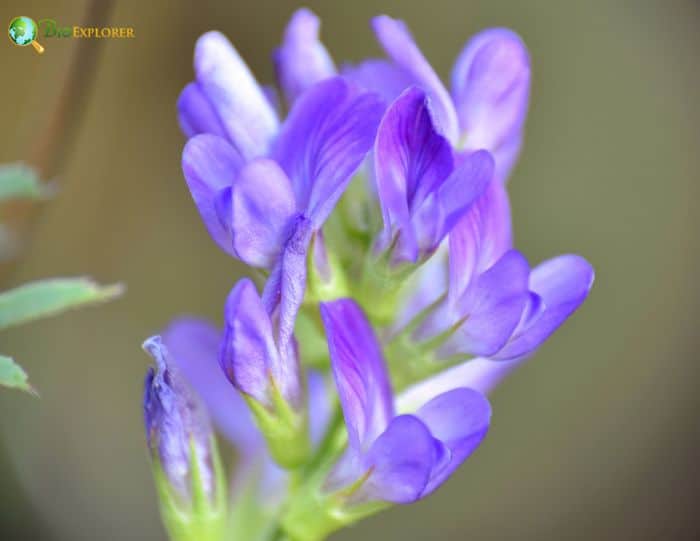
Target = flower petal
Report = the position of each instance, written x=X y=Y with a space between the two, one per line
x=411 y=161
x=249 y=355
x=479 y=374
x=210 y=165
x=452 y=200
x=401 y=461
x=480 y=238
x=302 y=60
x=490 y=86
x=325 y=138
x=262 y=207
x=196 y=115
x=240 y=104
x=490 y=308
x=563 y=284
x=460 y=420
x=399 y=45
x=359 y=370
x=194 y=346
x=381 y=76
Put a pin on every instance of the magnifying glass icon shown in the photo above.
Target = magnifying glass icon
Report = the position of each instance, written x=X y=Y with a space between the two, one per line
x=23 y=31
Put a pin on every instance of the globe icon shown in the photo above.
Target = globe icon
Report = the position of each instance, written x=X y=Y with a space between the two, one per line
x=23 y=31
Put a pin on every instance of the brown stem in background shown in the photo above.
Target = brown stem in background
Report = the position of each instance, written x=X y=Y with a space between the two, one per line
x=57 y=137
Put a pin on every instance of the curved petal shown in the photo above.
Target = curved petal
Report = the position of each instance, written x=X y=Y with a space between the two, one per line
x=249 y=356
x=210 y=166
x=399 y=45
x=324 y=140
x=490 y=309
x=302 y=60
x=240 y=103
x=479 y=374
x=490 y=87
x=380 y=76
x=452 y=200
x=480 y=238
x=194 y=346
x=411 y=161
x=460 y=420
x=400 y=461
x=262 y=209
x=562 y=284
x=359 y=371
x=196 y=115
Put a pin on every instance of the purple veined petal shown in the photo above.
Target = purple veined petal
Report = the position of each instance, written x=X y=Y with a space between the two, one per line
x=480 y=238
x=491 y=309
x=302 y=60
x=285 y=288
x=326 y=136
x=490 y=87
x=360 y=374
x=194 y=346
x=210 y=165
x=196 y=115
x=240 y=103
x=460 y=419
x=379 y=75
x=455 y=196
x=411 y=161
x=262 y=211
x=481 y=375
x=249 y=356
x=399 y=45
x=562 y=283
x=400 y=461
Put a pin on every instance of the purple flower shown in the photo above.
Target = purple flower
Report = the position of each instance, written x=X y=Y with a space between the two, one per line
x=557 y=288
x=177 y=425
x=302 y=60
x=487 y=106
x=250 y=356
x=194 y=345
x=422 y=192
x=393 y=458
x=249 y=207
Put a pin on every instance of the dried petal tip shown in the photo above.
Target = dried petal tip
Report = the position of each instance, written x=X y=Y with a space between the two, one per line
x=178 y=430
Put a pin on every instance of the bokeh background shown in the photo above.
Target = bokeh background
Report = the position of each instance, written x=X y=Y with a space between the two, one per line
x=596 y=438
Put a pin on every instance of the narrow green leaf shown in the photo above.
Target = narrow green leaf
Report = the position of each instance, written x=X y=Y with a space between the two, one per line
x=13 y=376
x=19 y=181
x=48 y=297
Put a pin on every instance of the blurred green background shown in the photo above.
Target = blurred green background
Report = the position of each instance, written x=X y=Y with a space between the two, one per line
x=596 y=438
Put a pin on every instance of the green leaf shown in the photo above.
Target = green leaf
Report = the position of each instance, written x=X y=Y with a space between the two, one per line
x=13 y=376
x=19 y=181
x=48 y=297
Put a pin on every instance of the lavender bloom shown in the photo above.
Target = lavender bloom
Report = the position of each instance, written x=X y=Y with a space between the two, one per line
x=490 y=87
x=178 y=430
x=393 y=458
x=250 y=207
x=421 y=191
x=302 y=60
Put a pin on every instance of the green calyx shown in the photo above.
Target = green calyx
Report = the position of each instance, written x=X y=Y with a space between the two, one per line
x=203 y=517
x=285 y=429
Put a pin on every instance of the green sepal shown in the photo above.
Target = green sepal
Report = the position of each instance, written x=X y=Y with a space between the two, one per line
x=285 y=429
x=324 y=288
x=203 y=518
